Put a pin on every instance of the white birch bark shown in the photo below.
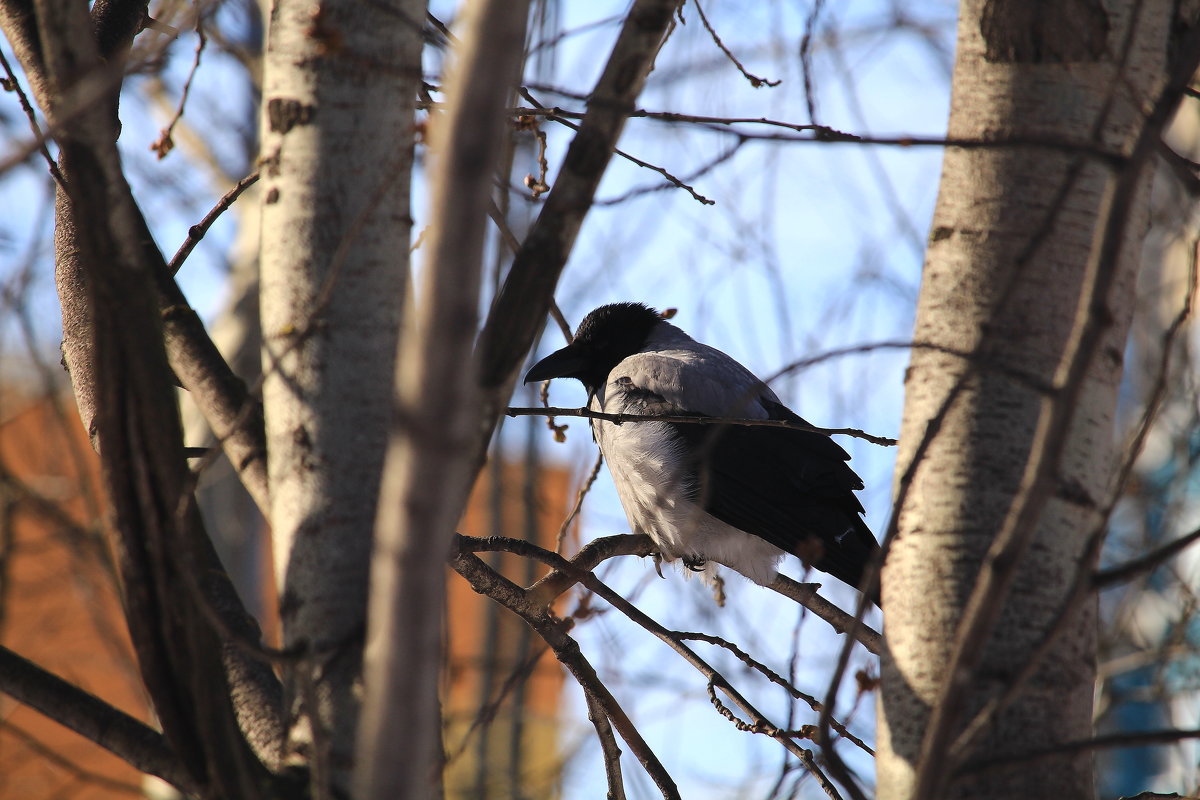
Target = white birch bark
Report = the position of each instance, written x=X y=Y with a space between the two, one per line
x=1007 y=277
x=340 y=81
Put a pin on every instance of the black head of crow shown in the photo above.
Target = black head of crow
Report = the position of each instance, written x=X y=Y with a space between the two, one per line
x=741 y=496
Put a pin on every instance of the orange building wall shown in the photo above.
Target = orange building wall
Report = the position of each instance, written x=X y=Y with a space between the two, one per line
x=60 y=608
x=469 y=616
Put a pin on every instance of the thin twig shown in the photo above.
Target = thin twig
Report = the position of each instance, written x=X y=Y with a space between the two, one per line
x=823 y=134
x=554 y=411
x=806 y=42
x=165 y=142
x=582 y=493
x=197 y=231
x=1111 y=576
x=39 y=139
x=487 y=714
x=777 y=679
x=1108 y=742
x=608 y=746
x=486 y=581
x=557 y=315
x=695 y=174
x=760 y=723
x=852 y=627
x=754 y=80
x=632 y=159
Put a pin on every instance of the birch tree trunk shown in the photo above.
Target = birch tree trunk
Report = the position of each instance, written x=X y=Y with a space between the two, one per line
x=340 y=83
x=1026 y=299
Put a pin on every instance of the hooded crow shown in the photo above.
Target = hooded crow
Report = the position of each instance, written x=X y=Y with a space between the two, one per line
x=737 y=495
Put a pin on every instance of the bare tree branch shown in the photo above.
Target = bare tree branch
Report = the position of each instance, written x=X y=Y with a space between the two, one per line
x=608 y=746
x=759 y=723
x=197 y=231
x=847 y=624
x=92 y=718
x=542 y=593
x=691 y=420
x=487 y=582
x=429 y=463
x=1120 y=573
x=1107 y=742
x=519 y=310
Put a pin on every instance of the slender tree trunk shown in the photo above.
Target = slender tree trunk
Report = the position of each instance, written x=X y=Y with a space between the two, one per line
x=340 y=81
x=1007 y=431
x=430 y=455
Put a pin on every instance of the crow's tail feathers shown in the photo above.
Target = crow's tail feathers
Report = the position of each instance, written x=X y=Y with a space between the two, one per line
x=847 y=555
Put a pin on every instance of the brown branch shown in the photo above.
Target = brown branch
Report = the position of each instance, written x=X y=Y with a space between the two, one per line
x=537 y=599
x=557 y=315
x=488 y=582
x=546 y=590
x=543 y=592
x=777 y=679
x=678 y=418
x=197 y=231
x=608 y=746
x=122 y=735
x=1107 y=742
x=1023 y=377
x=165 y=142
x=754 y=80
x=519 y=310
x=676 y=182
x=760 y=724
x=1111 y=576
x=823 y=134
x=719 y=124
x=39 y=140
x=672 y=181
x=847 y=624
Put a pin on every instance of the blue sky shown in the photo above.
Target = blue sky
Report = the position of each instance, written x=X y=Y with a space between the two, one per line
x=808 y=247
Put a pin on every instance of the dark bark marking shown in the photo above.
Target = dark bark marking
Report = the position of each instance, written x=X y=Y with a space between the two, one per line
x=1057 y=32
x=283 y=114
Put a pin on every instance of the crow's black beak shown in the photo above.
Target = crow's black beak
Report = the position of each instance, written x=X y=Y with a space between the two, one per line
x=565 y=363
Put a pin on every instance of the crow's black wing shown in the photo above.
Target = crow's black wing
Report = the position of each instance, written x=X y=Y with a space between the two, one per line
x=790 y=487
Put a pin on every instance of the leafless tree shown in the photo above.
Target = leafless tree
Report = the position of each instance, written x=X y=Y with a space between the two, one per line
x=382 y=383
